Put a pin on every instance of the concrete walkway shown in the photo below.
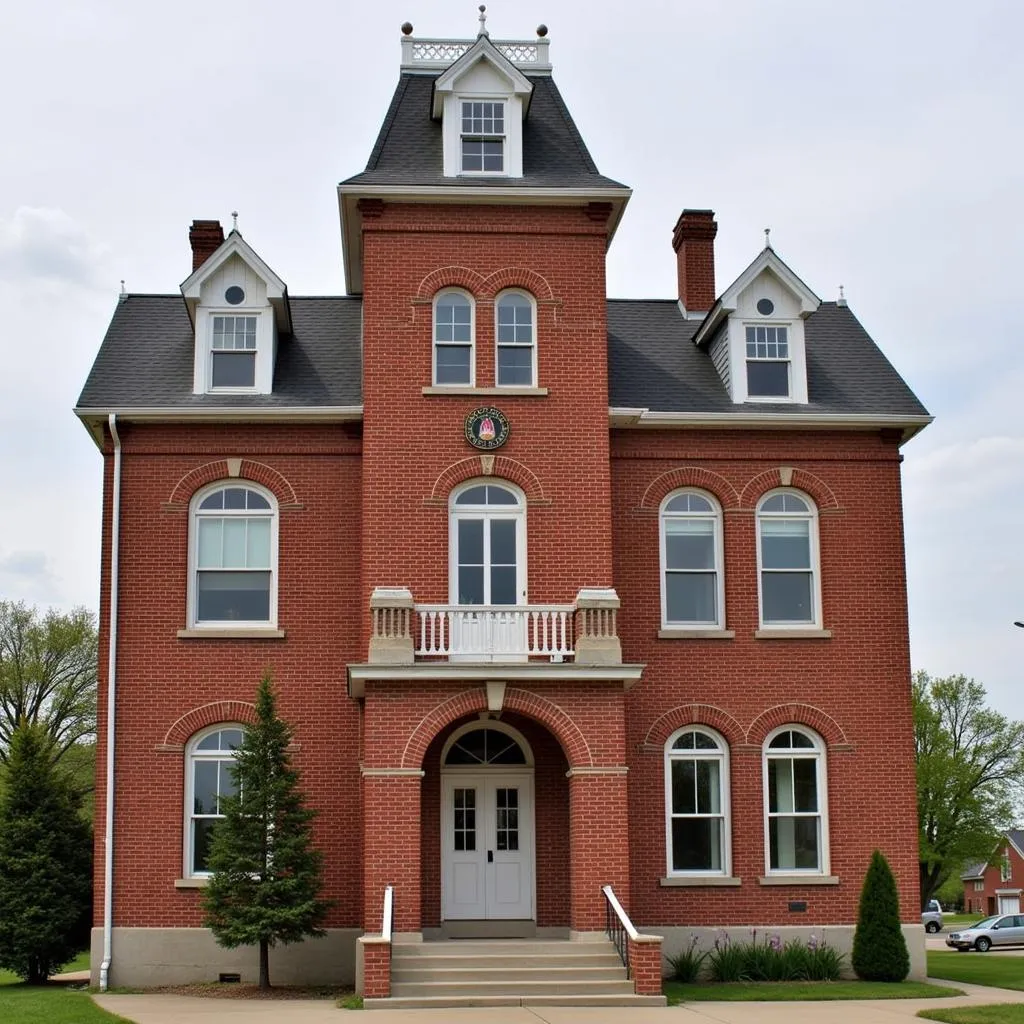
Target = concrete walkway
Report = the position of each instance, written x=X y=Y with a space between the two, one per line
x=163 y=1009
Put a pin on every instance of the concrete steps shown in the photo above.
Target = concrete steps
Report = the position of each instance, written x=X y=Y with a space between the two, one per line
x=508 y=972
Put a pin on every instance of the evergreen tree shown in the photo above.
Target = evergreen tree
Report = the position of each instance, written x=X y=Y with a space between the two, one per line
x=45 y=860
x=266 y=876
x=879 y=948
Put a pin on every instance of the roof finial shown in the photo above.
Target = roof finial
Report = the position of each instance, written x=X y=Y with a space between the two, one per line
x=234 y=220
x=767 y=238
x=124 y=293
x=842 y=297
x=483 y=22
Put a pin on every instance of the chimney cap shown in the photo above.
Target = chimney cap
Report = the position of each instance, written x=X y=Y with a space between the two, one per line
x=693 y=225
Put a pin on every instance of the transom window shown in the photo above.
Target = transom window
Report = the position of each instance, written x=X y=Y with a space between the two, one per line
x=516 y=355
x=696 y=790
x=210 y=757
x=483 y=137
x=795 y=799
x=453 y=339
x=691 y=561
x=233 y=352
x=234 y=551
x=768 y=362
x=483 y=747
x=787 y=551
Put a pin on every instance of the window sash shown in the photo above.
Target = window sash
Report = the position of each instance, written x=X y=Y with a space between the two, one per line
x=201 y=822
x=697 y=808
x=691 y=554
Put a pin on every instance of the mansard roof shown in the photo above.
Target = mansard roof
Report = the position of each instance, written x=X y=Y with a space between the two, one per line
x=409 y=150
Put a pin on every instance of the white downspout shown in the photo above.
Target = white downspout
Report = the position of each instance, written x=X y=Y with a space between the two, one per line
x=108 y=833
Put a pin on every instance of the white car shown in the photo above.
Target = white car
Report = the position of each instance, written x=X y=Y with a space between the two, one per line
x=1001 y=930
x=931 y=917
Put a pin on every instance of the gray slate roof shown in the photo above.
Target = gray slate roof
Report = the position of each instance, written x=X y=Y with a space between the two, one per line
x=146 y=361
x=408 y=150
x=653 y=364
x=974 y=871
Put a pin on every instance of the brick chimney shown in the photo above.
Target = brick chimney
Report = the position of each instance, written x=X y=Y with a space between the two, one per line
x=693 y=239
x=205 y=237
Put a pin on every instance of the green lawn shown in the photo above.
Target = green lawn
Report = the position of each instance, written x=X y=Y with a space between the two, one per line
x=50 y=1004
x=756 y=991
x=1000 y=1013
x=950 y=922
x=978 y=968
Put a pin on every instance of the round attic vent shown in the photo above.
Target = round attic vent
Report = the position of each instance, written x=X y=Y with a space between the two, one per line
x=765 y=307
x=234 y=295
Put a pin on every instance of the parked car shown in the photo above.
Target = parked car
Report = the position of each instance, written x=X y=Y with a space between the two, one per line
x=931 y=917
x=1000 y=930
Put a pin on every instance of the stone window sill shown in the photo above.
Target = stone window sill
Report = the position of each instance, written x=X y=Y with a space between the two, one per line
x=699 y=880
x=191 y=883
x=231 y=634
x=696 y=634
x=793 y=634
x=799 y=880
x=510 y=392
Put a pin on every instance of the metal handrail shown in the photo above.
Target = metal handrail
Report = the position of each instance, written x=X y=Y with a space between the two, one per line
x=389 y=909
x=617 y=926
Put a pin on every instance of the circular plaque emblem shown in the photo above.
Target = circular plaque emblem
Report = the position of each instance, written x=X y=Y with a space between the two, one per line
x=486 y=428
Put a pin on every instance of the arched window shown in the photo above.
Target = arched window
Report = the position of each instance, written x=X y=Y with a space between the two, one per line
x=692 y=581
x=453 y=339
x=787 y=556
x=208 y=760
x=697 y=802
x=233 y=557
x=516 y=356
x=795 y=797
x=488 y=545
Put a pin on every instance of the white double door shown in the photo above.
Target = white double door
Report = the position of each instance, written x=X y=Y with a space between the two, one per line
x=487 y=846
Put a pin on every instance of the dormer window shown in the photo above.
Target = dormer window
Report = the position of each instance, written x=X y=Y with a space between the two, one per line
x=483 y=137
x=767 y=361
x=233 y=351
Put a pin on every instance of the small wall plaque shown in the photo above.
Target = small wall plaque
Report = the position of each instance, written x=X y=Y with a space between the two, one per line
x=486 y=428
x=798 y=906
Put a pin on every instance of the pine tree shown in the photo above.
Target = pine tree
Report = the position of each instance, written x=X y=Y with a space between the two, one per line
x=267 y=875
x=45 y=860
x=879 y=947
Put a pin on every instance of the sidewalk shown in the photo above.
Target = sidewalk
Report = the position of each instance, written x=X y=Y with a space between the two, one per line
x=162 y=1009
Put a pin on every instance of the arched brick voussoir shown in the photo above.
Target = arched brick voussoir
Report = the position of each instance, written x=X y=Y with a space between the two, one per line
x=453 y=276
x=504 y=468
x=517 y=277
x=695 y=714
x=210 y=472
x=796 y=714
x=468 y=702
x=689 y=476
x=208 y=714
x=799 y=479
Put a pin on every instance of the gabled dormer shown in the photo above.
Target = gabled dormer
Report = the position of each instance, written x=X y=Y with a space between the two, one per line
x=754 y=333
x=481 y=102
x=238 y=307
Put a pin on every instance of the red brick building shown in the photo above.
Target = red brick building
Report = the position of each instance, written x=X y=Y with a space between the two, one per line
x=559 y=592
x=994 y=886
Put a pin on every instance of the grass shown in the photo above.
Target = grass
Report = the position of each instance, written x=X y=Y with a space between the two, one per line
x=978 y=969
x=351 y=1002
x=788 y=991
x=1000 y=1013
x=49 y=1004
x=954 y=921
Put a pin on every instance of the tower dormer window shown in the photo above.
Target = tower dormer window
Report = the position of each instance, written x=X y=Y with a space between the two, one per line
x=768 y=361
x=483 y=137
x=233 y=352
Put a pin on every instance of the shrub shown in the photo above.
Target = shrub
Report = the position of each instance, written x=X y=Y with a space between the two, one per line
x=822 y=963
x=727 y=961
x=687 y=963
x=879 y=948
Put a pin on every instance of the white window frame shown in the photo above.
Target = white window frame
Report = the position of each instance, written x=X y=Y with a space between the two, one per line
x=811 y=516
x=516 y=345
x=721 y=755
x=747 y=360
x=485 y=137
x=192 y=754
x=194 y=516
x=716 y=516
x=817 y=754
x=472 y=338
x=264 y=360
x=979 y=886
x=1005 y=867
x=238 y=312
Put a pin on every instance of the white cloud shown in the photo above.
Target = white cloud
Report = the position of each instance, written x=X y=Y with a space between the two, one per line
x=42 y=244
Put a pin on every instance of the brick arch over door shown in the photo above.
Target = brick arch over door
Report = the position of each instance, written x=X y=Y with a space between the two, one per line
x=689 y=476
x=221 y=469
x=532 y=705
x=801 y=480
x=695 y=714
x=796 y=714
x=504 y=468
x=208 y=714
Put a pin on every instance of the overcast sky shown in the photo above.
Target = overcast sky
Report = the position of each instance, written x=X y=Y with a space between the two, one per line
x=881 y=141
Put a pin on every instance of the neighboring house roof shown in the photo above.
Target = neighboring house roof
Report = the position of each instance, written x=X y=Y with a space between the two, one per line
x=974 y=871
x=1015 y=836
x=653 y=364
x=409 y=148
x=146 y=361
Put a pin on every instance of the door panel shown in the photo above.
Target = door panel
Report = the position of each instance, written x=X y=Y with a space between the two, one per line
x=462 y=855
